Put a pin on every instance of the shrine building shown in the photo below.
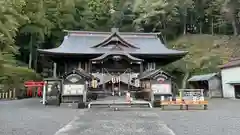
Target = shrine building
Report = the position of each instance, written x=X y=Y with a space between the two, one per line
x=111 y=56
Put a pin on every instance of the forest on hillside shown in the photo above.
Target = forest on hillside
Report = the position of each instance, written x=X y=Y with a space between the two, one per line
x=26 y=25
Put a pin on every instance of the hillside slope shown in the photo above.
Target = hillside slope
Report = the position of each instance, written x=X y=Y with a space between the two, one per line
x=207 y=51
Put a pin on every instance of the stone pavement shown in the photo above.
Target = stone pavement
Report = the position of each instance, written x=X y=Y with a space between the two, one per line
x=108 y=122
x=222 y=118
x=28 y=117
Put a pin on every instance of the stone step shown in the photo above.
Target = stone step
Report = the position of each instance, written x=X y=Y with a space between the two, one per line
x=109 y=102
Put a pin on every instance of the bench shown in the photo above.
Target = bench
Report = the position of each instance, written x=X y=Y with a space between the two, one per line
x=185 y=103
x=196 y=103
x=172 y=103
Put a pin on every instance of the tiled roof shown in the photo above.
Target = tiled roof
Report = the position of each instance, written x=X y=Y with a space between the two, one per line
x=204 y=77
x=234 y=62
x=80 y=42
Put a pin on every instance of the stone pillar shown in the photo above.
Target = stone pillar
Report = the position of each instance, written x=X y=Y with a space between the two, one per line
x=54 y=69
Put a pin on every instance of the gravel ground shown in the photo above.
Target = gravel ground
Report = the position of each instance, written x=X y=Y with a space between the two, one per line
x=28 y=117
x=222 y=118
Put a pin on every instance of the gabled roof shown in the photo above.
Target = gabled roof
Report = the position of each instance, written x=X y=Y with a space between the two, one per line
x=152 y=73
x=116 y=38
x=204 y=77
x=81 y=73
x=234 y=62
x=85 y=42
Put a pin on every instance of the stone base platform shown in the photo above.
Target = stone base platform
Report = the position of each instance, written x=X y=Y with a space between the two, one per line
x=115 y=101
x=73 y=105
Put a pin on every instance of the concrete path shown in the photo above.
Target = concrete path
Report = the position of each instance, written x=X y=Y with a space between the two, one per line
x=108 y=122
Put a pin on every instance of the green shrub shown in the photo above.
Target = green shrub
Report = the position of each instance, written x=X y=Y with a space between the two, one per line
x=14 y=77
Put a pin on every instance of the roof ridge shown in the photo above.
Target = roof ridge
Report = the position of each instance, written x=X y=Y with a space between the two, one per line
x=206 y=74
x=120 y=33
x=109 y=39
x=86 y=32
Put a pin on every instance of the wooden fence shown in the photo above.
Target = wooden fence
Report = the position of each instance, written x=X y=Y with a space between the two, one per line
x=11 y=94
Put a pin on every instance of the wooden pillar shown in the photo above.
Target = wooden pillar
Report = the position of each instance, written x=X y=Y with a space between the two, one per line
x=79 y=65
x=90 y=67
x=86 y=66
x=151 y=93
x=129 y=80
x=54 y=69
x=65 y=67
x=14 y=93
x=103 y=78
x=141 y=68
x=119 y=85
x=10 y=94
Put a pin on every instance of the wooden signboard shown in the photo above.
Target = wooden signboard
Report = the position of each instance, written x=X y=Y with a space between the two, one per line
x=73 y=89
x=161 y=88
x=74 y=84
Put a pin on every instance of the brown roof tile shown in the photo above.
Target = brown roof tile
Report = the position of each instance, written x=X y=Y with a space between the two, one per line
x=233 y=62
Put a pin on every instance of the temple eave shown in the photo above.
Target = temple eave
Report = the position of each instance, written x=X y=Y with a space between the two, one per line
x=55 y=52
x=100 y=58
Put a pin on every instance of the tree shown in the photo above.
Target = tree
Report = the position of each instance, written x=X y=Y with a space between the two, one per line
x=10 y=20
x=156 y=14
x=230 y=10
x=184 y=6
x=37 y=27
x=99 y=12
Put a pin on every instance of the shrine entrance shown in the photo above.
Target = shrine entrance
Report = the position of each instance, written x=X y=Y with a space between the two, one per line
x=117 y=83
x=116 y=72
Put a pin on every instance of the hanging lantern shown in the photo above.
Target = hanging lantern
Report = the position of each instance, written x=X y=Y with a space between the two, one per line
x=113 y=79
x=94 y=83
